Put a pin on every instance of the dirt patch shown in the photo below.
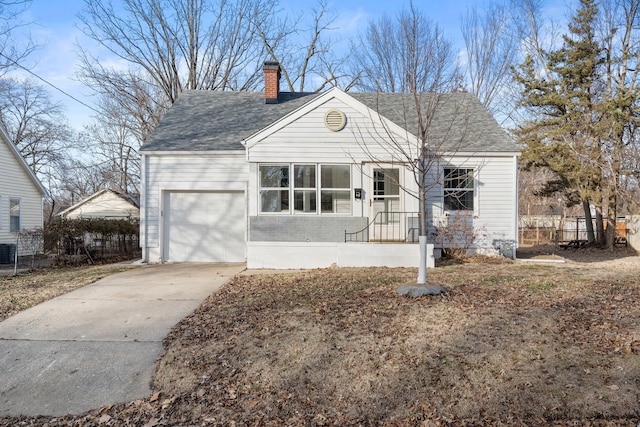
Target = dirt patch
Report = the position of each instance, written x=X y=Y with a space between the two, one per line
x=510 y=344
x=588 y=255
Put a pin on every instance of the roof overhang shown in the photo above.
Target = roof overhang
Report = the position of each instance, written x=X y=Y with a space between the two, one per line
x=482 y=154
x=92 y=197
x=333 y=93
x=225 y=153
x=14 y=150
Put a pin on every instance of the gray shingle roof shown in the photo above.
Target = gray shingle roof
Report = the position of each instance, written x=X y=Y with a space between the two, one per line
x=202 y=120
x=219 y=121
x=455 y=121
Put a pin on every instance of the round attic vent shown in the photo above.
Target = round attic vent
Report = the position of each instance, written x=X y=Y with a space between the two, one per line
x=335 y=120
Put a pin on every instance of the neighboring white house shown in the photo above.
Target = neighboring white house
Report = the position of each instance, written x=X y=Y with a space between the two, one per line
x=21 y=193
x=288 y=180
x=107 y=204
x=104 y=204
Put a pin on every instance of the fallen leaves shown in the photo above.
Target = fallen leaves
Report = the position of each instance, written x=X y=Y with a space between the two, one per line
x=509 y=344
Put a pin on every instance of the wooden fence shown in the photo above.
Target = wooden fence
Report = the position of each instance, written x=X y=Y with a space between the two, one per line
x=550 y=230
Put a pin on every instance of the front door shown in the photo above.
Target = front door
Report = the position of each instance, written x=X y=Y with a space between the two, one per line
x=385 y=204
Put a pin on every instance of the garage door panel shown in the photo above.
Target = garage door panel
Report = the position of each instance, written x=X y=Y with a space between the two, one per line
x=205 y=227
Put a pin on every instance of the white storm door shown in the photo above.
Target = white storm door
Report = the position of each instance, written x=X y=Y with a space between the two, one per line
x=385 y=204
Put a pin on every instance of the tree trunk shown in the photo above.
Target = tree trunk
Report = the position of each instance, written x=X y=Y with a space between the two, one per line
x=600 y=228
x=422 y=239
x=591 y=237
x=611 y=222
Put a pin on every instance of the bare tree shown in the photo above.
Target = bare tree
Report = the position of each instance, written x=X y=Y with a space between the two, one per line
x=36 y=125
x=620 y=98
x=182 y=44
x=408 y=54
x=536 y=31
x=492 y=48
x=305 y=54
x=127 y=92
x=113 y=142
x=13 y=50
x=78 y=177
x=167 y=46
x=79 y=180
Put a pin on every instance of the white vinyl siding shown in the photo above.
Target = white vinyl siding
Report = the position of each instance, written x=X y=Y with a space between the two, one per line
x=104 y=205
x=14 y=216
x=307 y=140
x=202 y=172
x=495 y=195
x=16 y=183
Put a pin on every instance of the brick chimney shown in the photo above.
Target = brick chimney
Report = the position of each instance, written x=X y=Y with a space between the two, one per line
x=271 y=81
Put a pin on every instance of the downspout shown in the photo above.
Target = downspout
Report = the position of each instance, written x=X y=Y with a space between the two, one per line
x=143 y=211
x=516 y=205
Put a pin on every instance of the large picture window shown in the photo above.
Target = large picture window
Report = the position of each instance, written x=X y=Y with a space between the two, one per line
x=458 y=189
x=309 y=183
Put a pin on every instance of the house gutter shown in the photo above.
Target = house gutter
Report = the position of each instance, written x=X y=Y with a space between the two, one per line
x=481 y=154
x=230 y=153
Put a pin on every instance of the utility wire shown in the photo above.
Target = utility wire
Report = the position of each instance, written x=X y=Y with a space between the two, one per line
x=49 y=83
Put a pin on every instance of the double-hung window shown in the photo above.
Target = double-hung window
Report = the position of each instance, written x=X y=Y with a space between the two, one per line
x=459 y=189
x=304 y=189
x=274 y=188
x=14 y=215
x=335 y=191
x=313 y=189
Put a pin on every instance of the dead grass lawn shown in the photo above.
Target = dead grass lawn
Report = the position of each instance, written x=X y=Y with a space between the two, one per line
x=27 y=289
x=510 y=344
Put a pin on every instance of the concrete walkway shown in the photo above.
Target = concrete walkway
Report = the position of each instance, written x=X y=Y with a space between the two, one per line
x=98 y=345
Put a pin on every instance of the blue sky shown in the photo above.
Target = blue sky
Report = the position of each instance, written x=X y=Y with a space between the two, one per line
x=54 y=24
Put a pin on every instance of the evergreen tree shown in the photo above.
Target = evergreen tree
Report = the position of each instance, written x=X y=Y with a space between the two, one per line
x=562 y=134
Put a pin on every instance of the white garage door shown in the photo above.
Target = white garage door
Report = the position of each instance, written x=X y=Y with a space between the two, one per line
x=204 y=227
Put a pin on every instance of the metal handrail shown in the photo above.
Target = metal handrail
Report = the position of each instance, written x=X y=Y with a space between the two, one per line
x=397 y=227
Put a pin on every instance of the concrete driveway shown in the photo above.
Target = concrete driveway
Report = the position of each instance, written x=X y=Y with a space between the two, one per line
x=98 y=345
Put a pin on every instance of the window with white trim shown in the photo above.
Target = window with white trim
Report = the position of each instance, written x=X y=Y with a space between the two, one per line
x=459 y=188
x=304 y=189
x=14 y=215
x=335 y=191
x=274 y=188
x=309 y=183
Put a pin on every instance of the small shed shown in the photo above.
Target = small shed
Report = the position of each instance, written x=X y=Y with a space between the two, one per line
x=106 y=204
x=93 y=235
